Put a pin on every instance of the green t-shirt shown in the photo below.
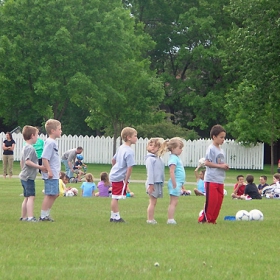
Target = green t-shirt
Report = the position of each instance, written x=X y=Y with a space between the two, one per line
x=39 y=146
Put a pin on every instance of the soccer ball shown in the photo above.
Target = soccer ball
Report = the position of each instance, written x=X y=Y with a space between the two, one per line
x=201 y=161
x=256 y=215
x=225 y=192
x=69 y=193
x=75 y=191
x=242 y=215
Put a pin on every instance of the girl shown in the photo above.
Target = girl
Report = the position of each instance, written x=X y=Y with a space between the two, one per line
x=200 y=190
x=88 y=187
x=155 y=174
x=177 y=175
x=104 y=186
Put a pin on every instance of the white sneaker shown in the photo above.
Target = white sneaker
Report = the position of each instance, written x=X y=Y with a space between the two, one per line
x=171 y=222
x=153 y=222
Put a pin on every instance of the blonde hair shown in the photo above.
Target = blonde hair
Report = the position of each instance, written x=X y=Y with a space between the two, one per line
x=105 y=178
x=160 y=143
x=126 y=132
x=175 y=142
x=89 y=177
x=28 y=131
x=51 y=124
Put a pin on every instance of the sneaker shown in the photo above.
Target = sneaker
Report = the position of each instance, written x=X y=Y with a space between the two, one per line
x=120 y=220
x=111 y=220
x=46 y=219
x=153 y=222
x=171 y=222
x=32 y=220
x=23 y=219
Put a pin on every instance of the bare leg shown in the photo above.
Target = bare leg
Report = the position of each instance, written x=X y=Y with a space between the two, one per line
x=151 y=208
x=48 y=202
x=30 y=206
x=23 y=208
x=115 y=205
x=172 y=206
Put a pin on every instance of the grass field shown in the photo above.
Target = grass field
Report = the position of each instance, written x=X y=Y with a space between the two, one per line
x=83 y=244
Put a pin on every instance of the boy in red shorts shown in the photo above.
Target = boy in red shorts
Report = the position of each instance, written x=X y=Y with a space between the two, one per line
x=122 y=162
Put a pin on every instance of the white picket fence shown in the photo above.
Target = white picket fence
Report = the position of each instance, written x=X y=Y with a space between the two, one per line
x=100 y=150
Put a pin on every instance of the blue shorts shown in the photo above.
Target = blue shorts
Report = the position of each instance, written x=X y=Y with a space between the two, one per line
x=177 y=190
x=51 y=186
x=28 y=187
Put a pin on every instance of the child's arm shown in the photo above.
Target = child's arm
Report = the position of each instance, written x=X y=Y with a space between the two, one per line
x=34 y=165
x=216 y=165
x=172 y=168
x=46 y=164
x=196 y=172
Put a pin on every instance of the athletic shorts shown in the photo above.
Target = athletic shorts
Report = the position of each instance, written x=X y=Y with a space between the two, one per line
x=51 y=186
x=177 y=190
x=158 y=192
x=119 y=190
x=28 y=188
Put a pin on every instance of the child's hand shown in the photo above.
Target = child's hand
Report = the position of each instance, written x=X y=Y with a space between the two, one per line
x=50 y=174
x=224 y=166
x=43 y=169
x=150 y=189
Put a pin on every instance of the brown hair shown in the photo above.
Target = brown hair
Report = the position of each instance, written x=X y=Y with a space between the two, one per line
x=89 y=177
x=51 y=124
x=174 y=142
x=277 y=176
x=216 y=130
x=105 y=178
x=250 y=179
x=126 y=132
x=160 y=143
x=28 y=131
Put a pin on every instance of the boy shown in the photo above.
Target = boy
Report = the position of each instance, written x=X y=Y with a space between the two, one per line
x=29 y=166
x=262 y=184
x=214 y=176
x=251 y=189
x=122 y=162
x=51 y=161
x=79 y=167
x=239 y=187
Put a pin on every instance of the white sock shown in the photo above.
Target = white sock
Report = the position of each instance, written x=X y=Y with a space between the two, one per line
x=116 y=216
x=112 y=215
x=48 y=212
x=44 y=214
x=30 y=218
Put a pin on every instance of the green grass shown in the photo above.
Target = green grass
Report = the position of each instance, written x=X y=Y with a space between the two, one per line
x=83 y=244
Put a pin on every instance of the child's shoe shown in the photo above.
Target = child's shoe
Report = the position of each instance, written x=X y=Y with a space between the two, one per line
x=171 y=222
x=153 y=222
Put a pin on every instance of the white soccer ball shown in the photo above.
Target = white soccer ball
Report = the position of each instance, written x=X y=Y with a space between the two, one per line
x=256 y=215
x=242 y=215
x=201 y=161
x=75 y=191
x=69 y=193
x=225 y=192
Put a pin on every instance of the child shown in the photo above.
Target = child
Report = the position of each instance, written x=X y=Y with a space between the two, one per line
x=63 y=180
x=104 y=186
x=272 y=191
x=123 y=162
x=214 y=176
x=239 y=187
x=88 y=187
x=177 y=176
x=155 y=174
x=262 y=184
x=200 y=190
x=251 y=189
x=51 y=161
x=79 y=167
x=29 y=166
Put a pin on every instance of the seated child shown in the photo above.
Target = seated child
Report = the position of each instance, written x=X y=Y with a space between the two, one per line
x=273 y=191
x=104 y=186
x=262 y=184
x=200 y=190
x=88 y=187
x=63 y=181
x=251 y=189
x=239 y=187
x=79 y=167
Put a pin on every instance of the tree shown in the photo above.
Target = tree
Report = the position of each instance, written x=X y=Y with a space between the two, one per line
x=252 y=68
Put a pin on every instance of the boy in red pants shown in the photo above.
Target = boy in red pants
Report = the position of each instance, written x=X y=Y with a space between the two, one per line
x=214 y=176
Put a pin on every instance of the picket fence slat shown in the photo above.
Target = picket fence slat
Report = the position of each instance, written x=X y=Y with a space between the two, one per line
x=100 y=150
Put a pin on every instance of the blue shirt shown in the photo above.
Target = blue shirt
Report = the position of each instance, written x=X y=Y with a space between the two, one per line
x=200 y=186
x=180 y=174
x=88 y=188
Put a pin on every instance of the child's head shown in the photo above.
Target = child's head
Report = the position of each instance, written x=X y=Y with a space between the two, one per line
x=218 y=134
x=263 y=179
x=105 y=178
x=52 y=125
x=250 y=179
x=28 y=131
x=175 y=145
x=276 y=177
x=64 y=177
x=240 y=179
x=129 y=134
x=89 y=177
x=157 y=146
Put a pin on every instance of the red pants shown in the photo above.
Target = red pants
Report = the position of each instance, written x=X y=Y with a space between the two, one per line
x=213 y=204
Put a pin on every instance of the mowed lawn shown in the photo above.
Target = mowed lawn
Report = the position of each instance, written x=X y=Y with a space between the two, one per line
x=83 y=244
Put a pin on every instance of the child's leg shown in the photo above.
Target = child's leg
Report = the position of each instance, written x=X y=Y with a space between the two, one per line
x=151 y=208
x=30 y=206
x=115 y=205
x=23 y=208
x=48 y=202
x=220 y=197
x=212 y=202
x=172 y=206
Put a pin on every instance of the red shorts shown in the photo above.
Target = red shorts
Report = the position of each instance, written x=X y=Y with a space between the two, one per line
x=119 y=190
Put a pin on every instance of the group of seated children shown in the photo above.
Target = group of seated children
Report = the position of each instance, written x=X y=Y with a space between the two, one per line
x=251 y=191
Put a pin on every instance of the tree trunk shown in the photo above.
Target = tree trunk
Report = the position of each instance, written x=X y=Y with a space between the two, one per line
x=272 y=157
